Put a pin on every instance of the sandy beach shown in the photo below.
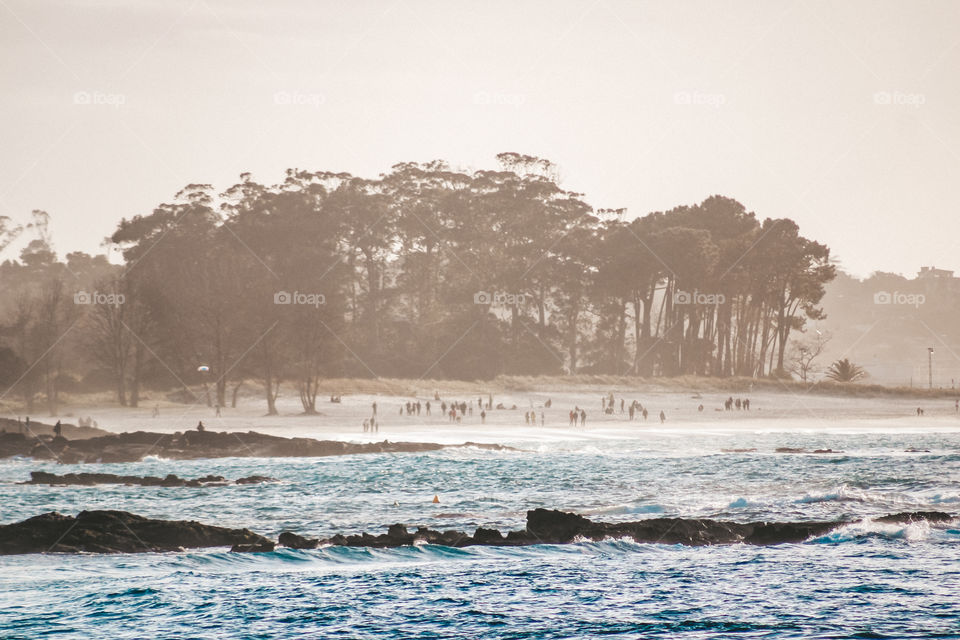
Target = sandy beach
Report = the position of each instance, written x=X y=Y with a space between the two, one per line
x=769 y=412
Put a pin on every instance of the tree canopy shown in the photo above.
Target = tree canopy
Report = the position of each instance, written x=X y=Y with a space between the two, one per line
x=425 y=271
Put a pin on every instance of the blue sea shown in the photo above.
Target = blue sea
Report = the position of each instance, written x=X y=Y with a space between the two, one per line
x=864 y=580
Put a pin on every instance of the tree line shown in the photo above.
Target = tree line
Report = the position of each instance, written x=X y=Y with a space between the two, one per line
x=424 y=272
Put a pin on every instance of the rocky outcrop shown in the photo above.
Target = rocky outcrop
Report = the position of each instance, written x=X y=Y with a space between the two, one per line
x=90 y=479
x=38 y=429
x=116 y=532
x=122 y=532
x=294 y=541
x=191 y=445
x=558 y=527
x=916 y=516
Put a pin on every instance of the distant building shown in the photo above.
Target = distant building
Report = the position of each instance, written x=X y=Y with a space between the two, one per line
x=930 y=273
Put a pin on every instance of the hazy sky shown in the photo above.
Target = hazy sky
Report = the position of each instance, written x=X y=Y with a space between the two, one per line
x=842 y=115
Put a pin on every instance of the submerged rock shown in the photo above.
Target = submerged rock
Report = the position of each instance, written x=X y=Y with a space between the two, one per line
x=795 y=450
x=90 y=479
x=115 y=532
x=915 y=516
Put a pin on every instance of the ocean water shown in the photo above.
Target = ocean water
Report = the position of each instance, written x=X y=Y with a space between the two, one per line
x=864 y=580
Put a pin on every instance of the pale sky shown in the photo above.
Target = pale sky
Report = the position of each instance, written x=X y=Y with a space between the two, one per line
x=844 y=116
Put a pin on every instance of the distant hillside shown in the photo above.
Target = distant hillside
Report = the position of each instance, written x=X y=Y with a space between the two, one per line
x=887 y=322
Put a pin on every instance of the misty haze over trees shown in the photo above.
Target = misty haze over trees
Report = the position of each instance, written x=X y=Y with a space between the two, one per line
x=425 y=272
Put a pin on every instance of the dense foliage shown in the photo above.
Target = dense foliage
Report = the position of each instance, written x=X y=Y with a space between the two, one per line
x=425 y=272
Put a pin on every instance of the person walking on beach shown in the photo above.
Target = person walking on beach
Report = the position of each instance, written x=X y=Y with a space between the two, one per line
x=645 y=414
x=57 y=430
x=583 y=418
x=663 y=417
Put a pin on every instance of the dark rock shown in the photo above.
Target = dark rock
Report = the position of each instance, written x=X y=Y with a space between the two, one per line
x=557 y=527
x=294 y=541
x=255 y=480
x=487 y=536
x=89 y=479
x=41 y=429
x=916 y=516
x=190 y=445
x=115 y=532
